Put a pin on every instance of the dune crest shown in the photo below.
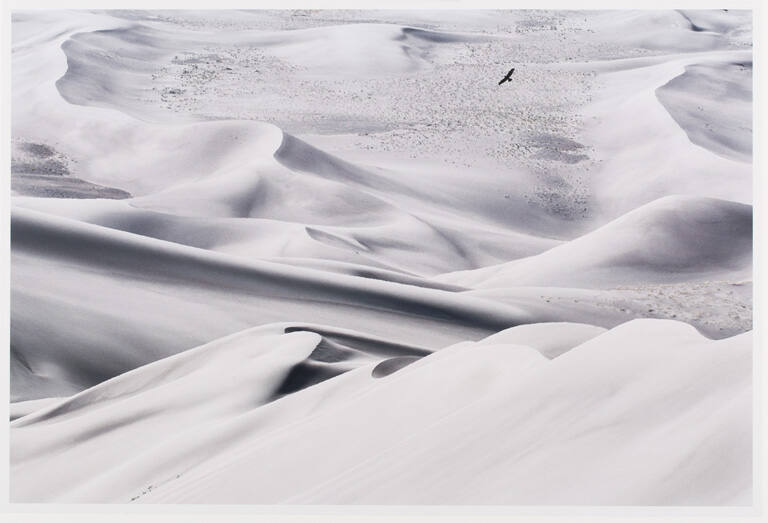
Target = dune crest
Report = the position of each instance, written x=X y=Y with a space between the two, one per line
x=523 y=412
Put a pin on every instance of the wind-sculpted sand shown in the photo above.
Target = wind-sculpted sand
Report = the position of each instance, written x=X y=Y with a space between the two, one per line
x=323 y=257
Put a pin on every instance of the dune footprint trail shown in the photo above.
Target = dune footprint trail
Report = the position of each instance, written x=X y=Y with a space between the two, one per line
x=323 y=257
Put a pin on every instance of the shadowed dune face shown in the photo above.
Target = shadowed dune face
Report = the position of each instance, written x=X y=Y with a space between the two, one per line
x=337 y=343
x=672 y=239
x=305 y=374
x=713 y=105
x=731 y=22
x=392 y=365
x=155 y=260
x=436 y=36
x=340 y=352
x=98 y=76
x=694 y=235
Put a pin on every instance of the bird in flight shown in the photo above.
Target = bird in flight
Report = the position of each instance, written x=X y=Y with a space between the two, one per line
x=508 y=77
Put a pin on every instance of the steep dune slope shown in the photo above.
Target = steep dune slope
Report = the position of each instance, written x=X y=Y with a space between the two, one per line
x=114 y=300
x=670 y=240
x=529 y=430
x=713 y=104
x=565 y=434
x=635 y=165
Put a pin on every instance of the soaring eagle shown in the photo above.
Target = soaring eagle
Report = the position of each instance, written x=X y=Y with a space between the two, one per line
x=508 y=77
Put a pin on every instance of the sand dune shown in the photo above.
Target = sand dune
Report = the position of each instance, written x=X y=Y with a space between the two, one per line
x=360 y=218
x=225 y=169
x=550 y=339
x=670 y=240
x=189 y=296
x=523 y=413
x=666 y=161
x=727 y=102
x=676 y=31
x=323 y=257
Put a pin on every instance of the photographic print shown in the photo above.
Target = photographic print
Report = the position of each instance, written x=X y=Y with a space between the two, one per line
x=381 y=257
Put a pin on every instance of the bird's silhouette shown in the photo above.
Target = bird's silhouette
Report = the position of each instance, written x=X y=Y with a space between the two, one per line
x=508 y=77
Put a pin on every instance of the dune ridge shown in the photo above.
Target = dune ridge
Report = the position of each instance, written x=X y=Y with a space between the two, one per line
x=449 y=393
x=675 y=238
x=193 y=282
